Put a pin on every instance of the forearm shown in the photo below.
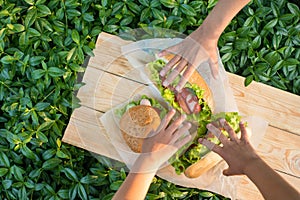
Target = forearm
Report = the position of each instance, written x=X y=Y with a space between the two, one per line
x=271 y=185
x=220 y=16
x=136 y=183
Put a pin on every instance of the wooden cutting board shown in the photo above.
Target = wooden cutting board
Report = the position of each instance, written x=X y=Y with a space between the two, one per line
x=108 y=69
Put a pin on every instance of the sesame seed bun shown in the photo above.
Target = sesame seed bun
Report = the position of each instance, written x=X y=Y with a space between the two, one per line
x=136 y=124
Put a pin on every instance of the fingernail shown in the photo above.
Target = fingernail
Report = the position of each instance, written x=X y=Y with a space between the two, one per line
x=159 y=54
x=222 y=121
x=189 y=125
x=165 y=83
x=208 y=126
x=162 y=72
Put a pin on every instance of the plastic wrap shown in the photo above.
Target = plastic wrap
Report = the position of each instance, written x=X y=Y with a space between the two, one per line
x=139 y=54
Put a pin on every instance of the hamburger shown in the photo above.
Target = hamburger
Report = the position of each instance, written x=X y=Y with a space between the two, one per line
x=195 y=100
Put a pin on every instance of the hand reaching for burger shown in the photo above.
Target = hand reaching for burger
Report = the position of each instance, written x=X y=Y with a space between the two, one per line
x=237 y=152
x=243 y=159
x=161 y=144
x=189 y=54
x=156 y=150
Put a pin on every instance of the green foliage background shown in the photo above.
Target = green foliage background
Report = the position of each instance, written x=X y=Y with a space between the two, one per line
x=42 y=47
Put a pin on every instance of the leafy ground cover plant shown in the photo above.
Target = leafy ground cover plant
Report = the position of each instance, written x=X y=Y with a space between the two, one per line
x=42 y=47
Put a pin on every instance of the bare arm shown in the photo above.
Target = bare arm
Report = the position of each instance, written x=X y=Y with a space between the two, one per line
x=242 y=159
x=201 y=45
x=156 y=150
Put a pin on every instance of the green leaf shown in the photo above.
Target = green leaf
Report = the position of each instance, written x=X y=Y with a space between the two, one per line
x=226 y=57
x=271 y=24
x=41 y=106
x=81 y=191
x=116 y=185
x=27 y=152
x=63 y=193
x=3 y=171
x=71 y=54
x=293 y=8
x=127 y=20
x=133 y=7
x=75 y=36
x=169 y=3
x=36 y=60
x=88 y=17
x=144 y=2
x=44 y=10
x=51 y=163
x=70 y=174
x=30 y=18
x=158 y=14
x=49 y=153
x=17 y=172
x=4 y=161
x=146 y=13
x=206 y=194
x=256 y=42
x=188 y=10
x=272 y=57
x=37 y=74
x=7 y=59
x=33 y=32
x=30 y=2
x=40 y=135
x=278 y=83
x=7 y=184
x=55 y=72
x=88 y=179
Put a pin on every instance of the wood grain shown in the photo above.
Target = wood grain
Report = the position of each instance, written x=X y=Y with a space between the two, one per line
x=86 y=131
x=281 y=109
x=110 y=80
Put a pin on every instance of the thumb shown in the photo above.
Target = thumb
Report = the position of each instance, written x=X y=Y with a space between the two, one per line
x=169 y=50
x=227 y=172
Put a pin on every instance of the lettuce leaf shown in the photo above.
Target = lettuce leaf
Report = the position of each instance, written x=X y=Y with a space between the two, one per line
x=196 y=151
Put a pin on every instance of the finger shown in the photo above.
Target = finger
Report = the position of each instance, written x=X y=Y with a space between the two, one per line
x=180 y=143
x=169 y=65
x=227 y=172
x=171 y=77
x=210 y=145
x=182 y=130
x=185 y=77
x=166 y=120
x=217 y=132
x=174 y=126
x=244 y=133
x=230 y=131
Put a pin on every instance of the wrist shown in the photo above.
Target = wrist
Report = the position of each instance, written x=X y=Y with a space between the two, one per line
x=206 y=33
x=253 y=165
x=145 y=164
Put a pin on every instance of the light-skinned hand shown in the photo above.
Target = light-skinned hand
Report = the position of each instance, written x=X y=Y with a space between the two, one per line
x=189 y=54
x=161 y=144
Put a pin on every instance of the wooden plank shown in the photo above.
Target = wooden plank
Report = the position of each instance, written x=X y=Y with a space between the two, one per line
x=86 y=131
x=279 y=108
x=104 y=91
x=279 y=148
